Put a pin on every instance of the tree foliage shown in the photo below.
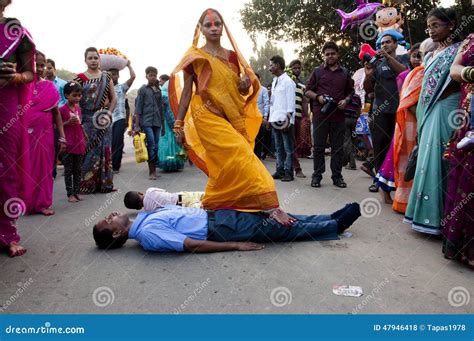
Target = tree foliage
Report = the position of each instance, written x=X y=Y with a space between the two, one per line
x=261 y=64
x=65 y=74
x=310 y=23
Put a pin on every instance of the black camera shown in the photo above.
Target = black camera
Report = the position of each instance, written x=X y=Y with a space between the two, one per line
x=329 y=104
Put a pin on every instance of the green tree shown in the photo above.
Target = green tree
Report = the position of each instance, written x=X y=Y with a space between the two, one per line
x=65 y=74
x=310 y=23
x=262 y=62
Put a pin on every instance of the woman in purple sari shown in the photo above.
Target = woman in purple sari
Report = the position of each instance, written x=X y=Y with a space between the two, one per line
x=17 y=52
x=97 y=103
x=458 y=220
x=43 y=109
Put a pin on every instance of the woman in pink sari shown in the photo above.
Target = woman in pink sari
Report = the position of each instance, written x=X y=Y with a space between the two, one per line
x=44 y=103
x=16 y=71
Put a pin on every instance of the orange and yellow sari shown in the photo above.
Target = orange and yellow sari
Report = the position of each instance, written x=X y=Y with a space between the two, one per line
x=220 y=129
x=405 y=136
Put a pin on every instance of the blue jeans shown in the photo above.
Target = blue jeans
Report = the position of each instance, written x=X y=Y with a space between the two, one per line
x=152 y=140
x=284 y=150
x=230 y=225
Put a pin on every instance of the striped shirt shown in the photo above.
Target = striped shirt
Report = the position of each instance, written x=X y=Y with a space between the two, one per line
x=299 y=99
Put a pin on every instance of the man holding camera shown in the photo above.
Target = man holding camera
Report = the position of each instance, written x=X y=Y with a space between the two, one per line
x=330 y=88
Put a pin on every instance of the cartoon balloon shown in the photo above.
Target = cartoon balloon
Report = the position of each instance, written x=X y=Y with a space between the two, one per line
x=364 y=11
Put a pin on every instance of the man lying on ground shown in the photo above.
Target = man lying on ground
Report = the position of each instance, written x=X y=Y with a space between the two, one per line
x=155 y=198
x=175 y=228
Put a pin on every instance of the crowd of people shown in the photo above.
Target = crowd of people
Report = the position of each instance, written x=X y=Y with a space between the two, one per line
x=395 y=114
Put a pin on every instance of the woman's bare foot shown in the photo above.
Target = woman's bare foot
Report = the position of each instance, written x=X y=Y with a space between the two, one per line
x=16 y=250
x=153 y=176
x=79 y=198
x=47 y=212
x=387 y=198
x=282 y=217
x=72 y=198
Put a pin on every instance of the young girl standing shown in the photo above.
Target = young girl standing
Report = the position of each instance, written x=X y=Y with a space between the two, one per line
x=76 y=144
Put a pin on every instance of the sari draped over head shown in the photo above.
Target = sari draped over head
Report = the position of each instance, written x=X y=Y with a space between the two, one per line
x=436 y=122
x=14 y=159
x=97 y=173
x=41 y=141
x=405 y=136
x=220 y=128
x=458 y=220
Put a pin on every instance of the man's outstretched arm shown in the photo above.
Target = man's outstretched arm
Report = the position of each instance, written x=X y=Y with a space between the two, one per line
x=207 y=246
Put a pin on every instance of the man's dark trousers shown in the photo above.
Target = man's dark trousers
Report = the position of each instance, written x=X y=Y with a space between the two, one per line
x=321 y=130
x=230 y=225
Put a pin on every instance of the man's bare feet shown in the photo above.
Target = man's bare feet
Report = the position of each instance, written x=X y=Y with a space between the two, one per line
x=72 y=198
x=387 y=198
x=15 y=250
x=47 y=212
x=282 y=217
x=78 y=197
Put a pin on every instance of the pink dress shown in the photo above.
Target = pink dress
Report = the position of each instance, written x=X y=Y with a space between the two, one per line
x=14 y=159
x=41 y=138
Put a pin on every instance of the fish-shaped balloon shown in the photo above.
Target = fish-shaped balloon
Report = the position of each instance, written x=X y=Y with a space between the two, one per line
x=364 y=11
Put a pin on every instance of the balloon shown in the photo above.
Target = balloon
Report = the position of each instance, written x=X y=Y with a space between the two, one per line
x=364 y=11
x=366 y=49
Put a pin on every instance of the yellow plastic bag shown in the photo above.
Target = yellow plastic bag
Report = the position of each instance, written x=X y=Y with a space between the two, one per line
x=141 y=153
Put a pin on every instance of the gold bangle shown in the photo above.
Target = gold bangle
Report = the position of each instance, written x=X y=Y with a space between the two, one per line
x=19 y=78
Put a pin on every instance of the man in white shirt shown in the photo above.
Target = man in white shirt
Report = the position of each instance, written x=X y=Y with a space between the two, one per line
x=119 y=116
x=282 y=118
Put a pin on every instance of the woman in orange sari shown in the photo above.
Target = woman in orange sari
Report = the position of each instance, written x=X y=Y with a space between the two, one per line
x=221 y=91
x=405 y=130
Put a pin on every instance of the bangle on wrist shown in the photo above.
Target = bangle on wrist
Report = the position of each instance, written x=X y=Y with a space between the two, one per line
x=19 y=78
x=467 y=74
x=62 y=140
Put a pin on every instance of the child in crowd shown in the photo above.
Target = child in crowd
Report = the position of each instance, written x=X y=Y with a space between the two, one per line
x=155 y=198
x=76 y=141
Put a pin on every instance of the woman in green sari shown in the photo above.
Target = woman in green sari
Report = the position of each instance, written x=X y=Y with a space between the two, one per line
x=168 y=150
x=436 y=120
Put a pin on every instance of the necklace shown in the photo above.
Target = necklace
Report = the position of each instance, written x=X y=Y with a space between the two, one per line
x=215 y=52
x=90 y=75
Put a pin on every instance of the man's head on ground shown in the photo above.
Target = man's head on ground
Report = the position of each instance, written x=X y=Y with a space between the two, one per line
x=151 y=75
x=50 y=71
x=296 y=66
x=277 y=65
x=112 y=232
x=73 y=92
x=133 y=200
x=389 y=44
x=331 y=53
x=115 y=75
